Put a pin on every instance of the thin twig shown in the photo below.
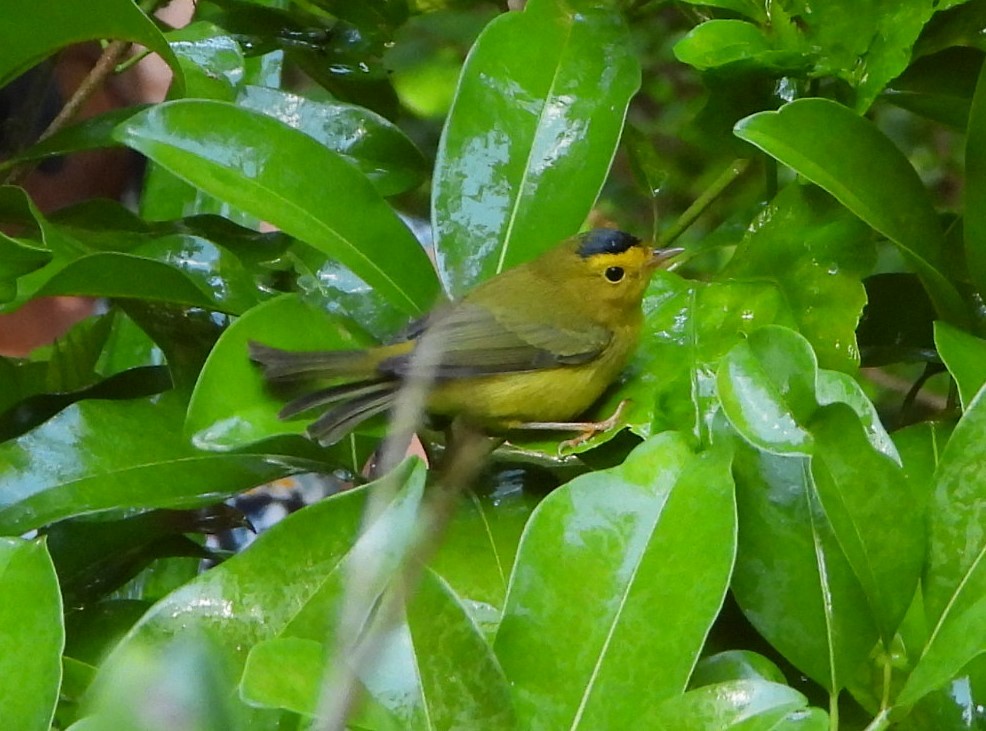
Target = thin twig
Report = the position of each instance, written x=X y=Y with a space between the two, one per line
x=709 y=195
x=94 y=79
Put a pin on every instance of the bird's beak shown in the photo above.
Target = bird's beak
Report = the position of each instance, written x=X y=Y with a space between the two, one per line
x=659 y=256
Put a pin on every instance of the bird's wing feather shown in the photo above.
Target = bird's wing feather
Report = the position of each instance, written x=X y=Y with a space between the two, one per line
x=472 y=341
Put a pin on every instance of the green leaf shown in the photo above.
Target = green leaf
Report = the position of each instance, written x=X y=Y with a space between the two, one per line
x=955 y=580
x=767 y=389
x=939 y=87
x=185 y=270
x=965 y=357
x=532 y=131
x=750 y=8
x=231 y=405
x=211 y=59
x=736 y=45
x=461 y=681
x=480 y=547
x=851 y=159
x=873 y=511
x=31 y=36
x=376 y=146
x=593 y=565
x=33 y=635
x=734 y=665
x=294 y=583
x=792 y=579
x=751 y=705
x=974 y=221
x=285 y=177
x=284 y=672
x=816 y=253
x=104 y=455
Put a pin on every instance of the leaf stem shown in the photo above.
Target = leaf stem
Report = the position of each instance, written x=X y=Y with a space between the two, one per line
x=880 y=721
x=735 y=169
x=834 y=711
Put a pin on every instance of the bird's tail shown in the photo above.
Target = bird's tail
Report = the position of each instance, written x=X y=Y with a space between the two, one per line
x=363 y=392
x=286 y=365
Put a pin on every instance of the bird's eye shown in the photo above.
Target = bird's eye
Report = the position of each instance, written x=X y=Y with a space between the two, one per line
x=614 y=274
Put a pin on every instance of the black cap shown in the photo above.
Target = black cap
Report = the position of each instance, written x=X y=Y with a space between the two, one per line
x=605 y=241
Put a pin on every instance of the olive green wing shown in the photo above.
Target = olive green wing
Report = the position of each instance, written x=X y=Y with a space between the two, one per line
x=470 y=340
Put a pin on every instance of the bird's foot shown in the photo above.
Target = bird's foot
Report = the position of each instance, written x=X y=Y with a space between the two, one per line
x=587 y=429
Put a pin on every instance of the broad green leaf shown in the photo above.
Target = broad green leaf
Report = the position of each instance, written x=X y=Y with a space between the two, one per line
x=965 y=357
x=974 y=220
x=531 y=135
x=283 y=176
x=32 y=32
x=816 y=253
x=88 y=134
x=285 y=584
x=376 y=146
x=873 y=511
x=851 y=159
x=832 y=387
x=284 y=672
x=33 y=635
x=731 y=45
x=792 y=579
x=750 y=705
x=955 y=580
x=734 y=665
x=211 y=59
x=185 y=270
x=231 y=406
x=111 y=455
x=479 y=548
x=593 y=565
x=767 y=389
x=461 y=681
x=921 y=446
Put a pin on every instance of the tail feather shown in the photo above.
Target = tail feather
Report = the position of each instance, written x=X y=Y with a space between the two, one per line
x=286 y=365
x=335 y=423
x=334 y=394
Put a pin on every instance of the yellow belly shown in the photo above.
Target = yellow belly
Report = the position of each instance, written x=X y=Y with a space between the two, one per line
x=557 y=394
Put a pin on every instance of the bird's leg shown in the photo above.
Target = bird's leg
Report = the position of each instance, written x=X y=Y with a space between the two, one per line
x=586 y=429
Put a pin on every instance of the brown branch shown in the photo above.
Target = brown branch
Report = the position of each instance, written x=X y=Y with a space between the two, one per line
x=94 y=79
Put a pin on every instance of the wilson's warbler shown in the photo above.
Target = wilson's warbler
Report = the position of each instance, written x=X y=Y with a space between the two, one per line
x=532 y=347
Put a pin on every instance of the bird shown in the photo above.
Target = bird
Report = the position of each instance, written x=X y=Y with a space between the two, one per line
x=532 y=347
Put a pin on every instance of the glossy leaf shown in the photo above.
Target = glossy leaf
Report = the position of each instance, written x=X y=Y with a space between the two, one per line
x=873 y=512
x=939 y=87
x=729 y=45
x=292 y=181
x=295 y=584
x=751 y=705
x=965 y=357
x=185 y=270
x=792 y=579
x=734 y=665
x=767 y=389
x=68 y=467
x=593 y=565
x=851 y=159
x=955 y=581
x=284 y=672
x=28 y=38
x=750 y=8
x=231 y=405
x=461 y=681
x=816 y=253
x=211 y=59
x=33 y=635
x=530 y=137
x=376 y=146
x=478 y=552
